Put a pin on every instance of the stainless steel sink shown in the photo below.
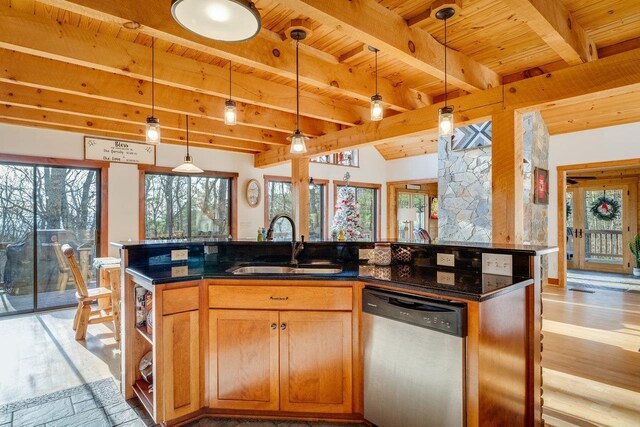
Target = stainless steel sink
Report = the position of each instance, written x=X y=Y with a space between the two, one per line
x=276 y=269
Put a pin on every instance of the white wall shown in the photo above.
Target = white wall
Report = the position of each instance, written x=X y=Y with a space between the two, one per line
x=123 y=178
x=417 y=167
x=598 y=145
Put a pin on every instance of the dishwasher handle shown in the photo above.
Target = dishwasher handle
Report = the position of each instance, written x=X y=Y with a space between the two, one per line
x=440 y=315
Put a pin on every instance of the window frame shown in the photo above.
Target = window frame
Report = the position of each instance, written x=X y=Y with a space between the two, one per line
x=158 y=170
x=325 y=200
x=377 y=196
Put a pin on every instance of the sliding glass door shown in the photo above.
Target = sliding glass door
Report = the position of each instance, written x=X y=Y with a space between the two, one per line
x=62 y=204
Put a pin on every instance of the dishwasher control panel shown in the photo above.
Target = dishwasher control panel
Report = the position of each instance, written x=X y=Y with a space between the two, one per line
x=440 y=315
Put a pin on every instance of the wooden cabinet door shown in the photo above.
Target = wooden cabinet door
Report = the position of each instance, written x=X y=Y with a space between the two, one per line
x=315 y=362
x=243 y=357
x=180 y=364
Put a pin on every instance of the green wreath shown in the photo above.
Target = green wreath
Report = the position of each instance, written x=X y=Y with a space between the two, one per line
x=605 y=208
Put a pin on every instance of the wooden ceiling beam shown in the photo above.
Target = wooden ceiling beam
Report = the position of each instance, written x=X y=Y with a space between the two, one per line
x=264 y=52
x=125 y=130
x=552 y=21
x=60 y=41
x=47 y=100
x=20 y=68
x=374 y=24
x=597 y=79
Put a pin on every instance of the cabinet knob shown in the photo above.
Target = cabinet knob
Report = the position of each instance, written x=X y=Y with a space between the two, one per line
x=283 y=326
x=274 y=326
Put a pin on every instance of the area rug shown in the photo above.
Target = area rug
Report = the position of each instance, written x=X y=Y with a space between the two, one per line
x=95 y=404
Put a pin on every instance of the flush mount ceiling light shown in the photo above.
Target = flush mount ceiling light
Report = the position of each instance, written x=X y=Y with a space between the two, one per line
x=153 y=124
x=187 y=166
x=445 y=115
x=230 y=116
x=377 y=112
x=298 y=139
x=224 y=20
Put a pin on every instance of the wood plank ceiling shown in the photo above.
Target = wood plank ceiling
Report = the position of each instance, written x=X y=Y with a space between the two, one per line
x=77 y=65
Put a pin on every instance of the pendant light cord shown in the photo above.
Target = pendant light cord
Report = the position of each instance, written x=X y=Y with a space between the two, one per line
x=187 y=135
x=445 y=62
x=376 y=71
x=229 y=80
x=153 y=76
x=297 y=89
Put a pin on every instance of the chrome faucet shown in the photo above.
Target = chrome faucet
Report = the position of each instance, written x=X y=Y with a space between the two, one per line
x=296 y=247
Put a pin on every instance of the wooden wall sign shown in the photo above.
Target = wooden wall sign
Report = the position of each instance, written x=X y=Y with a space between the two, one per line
x=118 y=151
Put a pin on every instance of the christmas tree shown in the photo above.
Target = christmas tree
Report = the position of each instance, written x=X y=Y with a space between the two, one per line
x=347 y=217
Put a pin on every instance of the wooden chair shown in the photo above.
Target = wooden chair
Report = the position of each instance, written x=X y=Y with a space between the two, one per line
x=85 y=316
x=63 y=268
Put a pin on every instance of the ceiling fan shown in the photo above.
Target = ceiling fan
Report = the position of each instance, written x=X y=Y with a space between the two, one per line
x=577 y=179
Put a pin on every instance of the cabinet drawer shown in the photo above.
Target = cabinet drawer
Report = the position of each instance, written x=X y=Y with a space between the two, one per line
x=281 y=297
x=179 y=300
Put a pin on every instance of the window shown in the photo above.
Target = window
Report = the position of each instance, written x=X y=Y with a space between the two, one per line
x=279 y=198
x=368 y=202
x=45 y=206
x=183 y=206
x=343 y=158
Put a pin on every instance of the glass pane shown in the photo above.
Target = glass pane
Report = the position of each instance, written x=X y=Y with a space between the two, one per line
x=16 y=238
x=210 y=207
x=316 y=212
x=569 y=220
x=166 y=206
x=366 y=200
x=66 y=207
x=279 y=199
x=419 y=205
x=603 y=231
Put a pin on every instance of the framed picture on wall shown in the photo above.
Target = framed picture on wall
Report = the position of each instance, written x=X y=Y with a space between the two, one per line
x=541 y=186
x=253 y=193
x=433 y=214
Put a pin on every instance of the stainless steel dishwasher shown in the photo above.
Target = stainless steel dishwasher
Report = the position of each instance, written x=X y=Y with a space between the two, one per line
x=414 y=357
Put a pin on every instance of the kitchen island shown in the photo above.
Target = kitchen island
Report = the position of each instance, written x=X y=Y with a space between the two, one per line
x=228 y=340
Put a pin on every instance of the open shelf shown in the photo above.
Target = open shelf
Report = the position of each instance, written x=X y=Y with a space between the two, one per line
x=143 y=331
x=141 y=389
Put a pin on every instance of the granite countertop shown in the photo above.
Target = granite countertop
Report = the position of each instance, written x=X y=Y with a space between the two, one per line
x=493 y=247
x=462 y=284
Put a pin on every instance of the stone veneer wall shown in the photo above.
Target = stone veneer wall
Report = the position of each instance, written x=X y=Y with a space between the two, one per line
x=464 y=188
x=536 y=152
x=464 y=193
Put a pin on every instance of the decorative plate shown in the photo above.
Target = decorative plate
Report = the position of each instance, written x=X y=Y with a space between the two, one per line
x=253 y=193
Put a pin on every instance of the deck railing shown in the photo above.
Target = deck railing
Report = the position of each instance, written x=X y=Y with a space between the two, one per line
x=604 y=245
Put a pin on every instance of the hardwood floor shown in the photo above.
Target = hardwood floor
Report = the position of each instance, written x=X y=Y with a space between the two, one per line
x=591 y=358
x=39 y=355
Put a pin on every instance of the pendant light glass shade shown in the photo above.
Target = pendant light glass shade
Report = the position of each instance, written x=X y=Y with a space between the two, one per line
x=298 y=142
x=230 y=116
x=312 y=184
x=445 y=122
x=377 y=112
x=224 y=20
x=187 y=166
x=153 y=130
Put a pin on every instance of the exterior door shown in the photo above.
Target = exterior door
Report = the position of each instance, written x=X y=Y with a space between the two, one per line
x=243 y=357
x=315 y=362
x=598 y=242
x=418 y=201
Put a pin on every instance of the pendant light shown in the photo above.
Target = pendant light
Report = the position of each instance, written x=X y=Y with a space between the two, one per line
x=298 y=139
x=230 y=116
x=187 y=166
x=312 y=184
x=224 y=20
x=377 y=112
x=153 y=124
x=445 y=114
